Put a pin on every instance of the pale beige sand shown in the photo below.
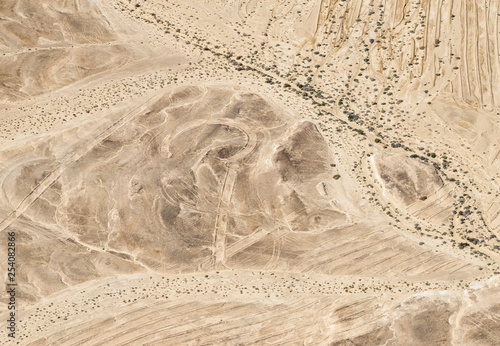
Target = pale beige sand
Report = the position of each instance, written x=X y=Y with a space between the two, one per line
x=251 y=172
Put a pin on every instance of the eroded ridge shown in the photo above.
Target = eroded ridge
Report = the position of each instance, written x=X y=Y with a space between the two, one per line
x=252 y=172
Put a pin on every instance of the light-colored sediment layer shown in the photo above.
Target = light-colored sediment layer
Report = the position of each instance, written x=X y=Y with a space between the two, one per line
x=251 y=172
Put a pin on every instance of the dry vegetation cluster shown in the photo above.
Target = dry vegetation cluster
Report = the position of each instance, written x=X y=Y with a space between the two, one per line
x=185 y=171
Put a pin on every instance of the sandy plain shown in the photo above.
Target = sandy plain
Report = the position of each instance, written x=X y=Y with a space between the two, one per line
x=251 y=172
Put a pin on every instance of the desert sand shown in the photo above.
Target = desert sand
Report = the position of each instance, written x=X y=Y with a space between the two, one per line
x=250 y=172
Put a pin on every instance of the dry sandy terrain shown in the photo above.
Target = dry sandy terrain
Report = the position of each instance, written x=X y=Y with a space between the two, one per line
x=256 y=172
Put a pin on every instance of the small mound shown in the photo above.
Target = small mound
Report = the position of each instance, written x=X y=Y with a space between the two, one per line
x=405 y=178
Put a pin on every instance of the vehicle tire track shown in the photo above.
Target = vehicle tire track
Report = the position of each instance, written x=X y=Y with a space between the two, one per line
x=221 y=219
x=80 y=152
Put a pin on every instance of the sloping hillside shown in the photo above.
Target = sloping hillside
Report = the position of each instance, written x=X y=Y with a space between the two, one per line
x=251 y=172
